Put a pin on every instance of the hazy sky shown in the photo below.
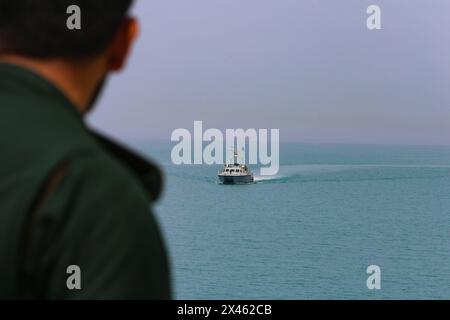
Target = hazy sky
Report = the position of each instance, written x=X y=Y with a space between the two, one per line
x=308 y=67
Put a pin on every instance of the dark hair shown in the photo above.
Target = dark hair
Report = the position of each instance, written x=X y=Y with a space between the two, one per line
x=37 y=28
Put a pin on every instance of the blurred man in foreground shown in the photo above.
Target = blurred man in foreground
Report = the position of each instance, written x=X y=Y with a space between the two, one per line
x=75 y=220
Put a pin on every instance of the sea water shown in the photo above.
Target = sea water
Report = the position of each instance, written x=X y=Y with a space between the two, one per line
x=311 y=231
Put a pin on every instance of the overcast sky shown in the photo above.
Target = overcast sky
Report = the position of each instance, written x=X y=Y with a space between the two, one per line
x=308 y=67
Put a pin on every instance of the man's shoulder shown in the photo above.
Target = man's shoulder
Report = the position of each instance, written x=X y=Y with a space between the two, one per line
x=102 y=213
x=101 y=171
x=96 y=190
x=109 y=165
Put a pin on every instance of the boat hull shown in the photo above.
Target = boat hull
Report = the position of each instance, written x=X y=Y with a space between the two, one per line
x=228 y=179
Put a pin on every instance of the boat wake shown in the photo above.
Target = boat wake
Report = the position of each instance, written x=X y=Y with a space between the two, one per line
x=334 y=173
x=268 y=179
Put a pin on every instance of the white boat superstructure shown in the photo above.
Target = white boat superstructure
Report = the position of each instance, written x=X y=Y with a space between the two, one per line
x=236 y=173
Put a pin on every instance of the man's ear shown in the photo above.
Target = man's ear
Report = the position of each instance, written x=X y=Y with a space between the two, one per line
x=122 y=44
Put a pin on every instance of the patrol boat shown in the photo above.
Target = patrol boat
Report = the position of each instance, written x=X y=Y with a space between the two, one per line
x=236 y=173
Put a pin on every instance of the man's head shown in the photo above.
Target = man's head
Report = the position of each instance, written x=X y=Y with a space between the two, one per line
x=36 y=31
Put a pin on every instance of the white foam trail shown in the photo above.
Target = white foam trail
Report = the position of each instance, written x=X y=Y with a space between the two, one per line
x=307 y=169
x=299 y=168
x=268 y=178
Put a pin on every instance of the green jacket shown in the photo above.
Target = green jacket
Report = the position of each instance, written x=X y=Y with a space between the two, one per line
x=69 y=197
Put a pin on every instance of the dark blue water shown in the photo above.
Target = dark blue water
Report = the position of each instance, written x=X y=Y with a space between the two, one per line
x=311 y=231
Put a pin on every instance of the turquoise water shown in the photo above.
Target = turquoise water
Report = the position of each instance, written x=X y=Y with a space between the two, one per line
x=311 y=231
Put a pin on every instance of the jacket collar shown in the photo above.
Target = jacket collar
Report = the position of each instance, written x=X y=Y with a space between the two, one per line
x=146 y=172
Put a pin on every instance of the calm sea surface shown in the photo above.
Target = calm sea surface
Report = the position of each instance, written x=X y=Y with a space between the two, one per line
x=311 y=231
